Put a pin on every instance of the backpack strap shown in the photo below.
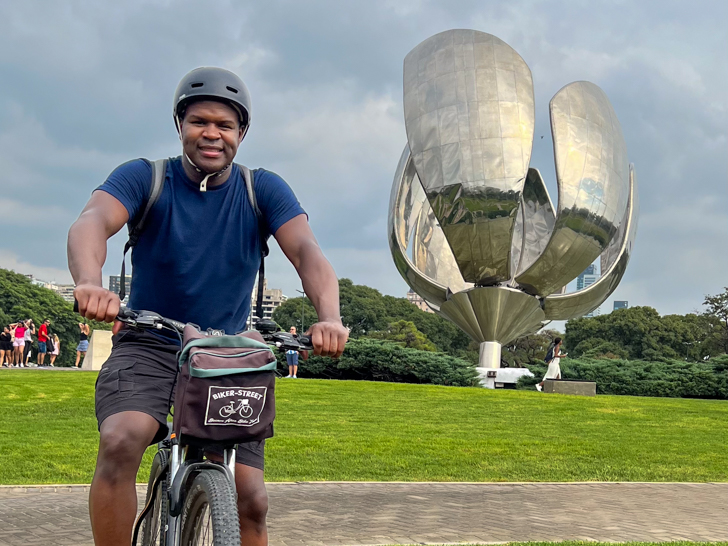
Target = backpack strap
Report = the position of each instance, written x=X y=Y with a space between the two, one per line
x=248 y=176
x=159 y=170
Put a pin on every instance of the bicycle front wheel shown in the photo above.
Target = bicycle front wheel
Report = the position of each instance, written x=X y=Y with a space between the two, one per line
x=210 y=515
x=154 y=525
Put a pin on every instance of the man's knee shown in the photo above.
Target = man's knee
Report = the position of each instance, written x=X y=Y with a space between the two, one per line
x=253 y=506
x=122 y=444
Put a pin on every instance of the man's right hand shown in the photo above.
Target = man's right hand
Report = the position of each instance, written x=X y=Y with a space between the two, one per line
x=96 y=303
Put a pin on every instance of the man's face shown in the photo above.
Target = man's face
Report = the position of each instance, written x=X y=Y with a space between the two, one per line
x=211 y=134
x=293 y=329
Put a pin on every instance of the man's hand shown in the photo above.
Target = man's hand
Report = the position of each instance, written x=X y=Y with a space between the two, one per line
x=96 y=303
x=328 y=338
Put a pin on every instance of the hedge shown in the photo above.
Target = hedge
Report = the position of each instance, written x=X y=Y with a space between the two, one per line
x=373 y=360
x=668 y=378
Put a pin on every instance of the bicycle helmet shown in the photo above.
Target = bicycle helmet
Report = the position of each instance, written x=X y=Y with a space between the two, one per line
x=211 y=83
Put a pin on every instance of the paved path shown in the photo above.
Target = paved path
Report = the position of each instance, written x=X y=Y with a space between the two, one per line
x=408 y=513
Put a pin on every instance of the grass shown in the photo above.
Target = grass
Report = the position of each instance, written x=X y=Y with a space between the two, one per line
x=346 y=430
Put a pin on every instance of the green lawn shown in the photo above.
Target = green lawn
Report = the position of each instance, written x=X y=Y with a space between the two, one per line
x=345 y=430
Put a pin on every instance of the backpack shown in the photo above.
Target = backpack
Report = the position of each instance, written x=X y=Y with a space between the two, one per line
x=549 y=355
x=136 y=226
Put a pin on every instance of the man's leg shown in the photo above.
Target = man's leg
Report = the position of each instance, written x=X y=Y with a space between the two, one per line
x=112 y=501
x=41 y=358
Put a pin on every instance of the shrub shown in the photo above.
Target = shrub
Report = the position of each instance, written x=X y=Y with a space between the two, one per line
x=374 y=360
x=664 y=378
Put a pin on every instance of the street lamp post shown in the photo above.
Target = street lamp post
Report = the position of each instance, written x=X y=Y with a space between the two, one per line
x=303 y=297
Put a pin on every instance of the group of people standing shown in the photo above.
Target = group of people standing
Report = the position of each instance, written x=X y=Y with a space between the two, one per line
x=16 y=342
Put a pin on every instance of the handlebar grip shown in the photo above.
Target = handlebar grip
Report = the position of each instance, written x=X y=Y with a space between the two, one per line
x=305 y=340
x=75 y=305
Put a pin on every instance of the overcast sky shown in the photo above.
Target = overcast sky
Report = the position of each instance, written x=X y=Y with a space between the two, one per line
x=88 y=85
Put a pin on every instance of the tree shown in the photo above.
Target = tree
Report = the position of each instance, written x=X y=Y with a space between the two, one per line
x=406 y=333
x=528 y=349
x=718 y=308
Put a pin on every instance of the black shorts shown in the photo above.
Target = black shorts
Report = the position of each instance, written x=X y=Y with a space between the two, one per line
x=140 y=375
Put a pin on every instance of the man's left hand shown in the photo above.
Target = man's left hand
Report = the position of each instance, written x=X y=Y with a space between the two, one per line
x=328 y=338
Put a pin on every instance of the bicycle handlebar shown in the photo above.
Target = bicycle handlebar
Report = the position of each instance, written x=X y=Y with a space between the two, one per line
x=149 y=320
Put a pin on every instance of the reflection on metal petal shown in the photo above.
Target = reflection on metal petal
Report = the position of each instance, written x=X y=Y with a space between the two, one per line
x=469 y=114
x=537 y=217
x=592 y=174
x=412 y=226
x=568 y=306
x=494 y=313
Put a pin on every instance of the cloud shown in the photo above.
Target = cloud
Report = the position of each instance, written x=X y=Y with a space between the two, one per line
x=10 y=260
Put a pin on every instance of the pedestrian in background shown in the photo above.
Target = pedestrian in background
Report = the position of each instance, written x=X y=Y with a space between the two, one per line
x=29 y=333
x=553 y=358
x=83 y=342
x=18 y=331
x=292 y=358
x=42 y=341
x=56 y=348
x=6 y=347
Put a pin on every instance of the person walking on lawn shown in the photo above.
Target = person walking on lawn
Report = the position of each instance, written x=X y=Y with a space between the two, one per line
x=42 y=341
x=553 y=358
x=204 y=233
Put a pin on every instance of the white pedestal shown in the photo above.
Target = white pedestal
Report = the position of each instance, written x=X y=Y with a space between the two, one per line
x=99 y=349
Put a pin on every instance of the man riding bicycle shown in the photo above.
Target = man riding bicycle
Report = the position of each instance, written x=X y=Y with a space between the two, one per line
x=195 y=262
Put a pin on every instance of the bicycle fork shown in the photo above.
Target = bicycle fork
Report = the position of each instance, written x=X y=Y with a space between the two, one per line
x=174 y=523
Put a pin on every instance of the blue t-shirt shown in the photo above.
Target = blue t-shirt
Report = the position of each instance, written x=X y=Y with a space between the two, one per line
x=197 y=258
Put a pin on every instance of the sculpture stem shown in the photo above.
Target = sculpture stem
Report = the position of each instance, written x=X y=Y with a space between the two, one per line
x=490 y=354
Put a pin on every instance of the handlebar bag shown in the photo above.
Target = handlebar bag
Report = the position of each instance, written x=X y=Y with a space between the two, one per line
x=225 y=389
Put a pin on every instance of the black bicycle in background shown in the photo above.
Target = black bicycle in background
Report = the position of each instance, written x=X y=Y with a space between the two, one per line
x=192 y=501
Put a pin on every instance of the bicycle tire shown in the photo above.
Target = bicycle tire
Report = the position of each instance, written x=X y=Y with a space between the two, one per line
x=154 y=525
x=210 y=509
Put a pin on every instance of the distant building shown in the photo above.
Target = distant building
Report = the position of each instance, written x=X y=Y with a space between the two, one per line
x=272 y=299
x=115 y=284
x=65 y=291
x=620 y=305
x=588 y=277
x=415 y=299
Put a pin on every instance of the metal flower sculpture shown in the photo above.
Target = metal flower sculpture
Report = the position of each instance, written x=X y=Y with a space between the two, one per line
x=472 y=228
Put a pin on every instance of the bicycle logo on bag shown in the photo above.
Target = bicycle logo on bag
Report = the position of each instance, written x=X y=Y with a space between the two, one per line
x=240 y=407
x=243 y=408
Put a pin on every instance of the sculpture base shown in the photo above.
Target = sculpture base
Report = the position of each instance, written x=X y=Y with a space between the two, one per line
x=562 y=386
x=502 y=378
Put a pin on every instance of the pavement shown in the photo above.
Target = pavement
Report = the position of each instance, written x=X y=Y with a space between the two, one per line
x=367 y=513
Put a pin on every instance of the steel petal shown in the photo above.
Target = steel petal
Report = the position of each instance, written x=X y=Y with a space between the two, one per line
x=576 y=304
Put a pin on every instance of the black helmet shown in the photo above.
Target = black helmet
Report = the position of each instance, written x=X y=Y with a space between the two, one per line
x=209 y=82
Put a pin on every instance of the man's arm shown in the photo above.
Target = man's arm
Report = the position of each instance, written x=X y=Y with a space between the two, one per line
x=319 y=282
x=103 y=216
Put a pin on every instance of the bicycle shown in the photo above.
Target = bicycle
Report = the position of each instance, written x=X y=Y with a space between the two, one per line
x=192 y=501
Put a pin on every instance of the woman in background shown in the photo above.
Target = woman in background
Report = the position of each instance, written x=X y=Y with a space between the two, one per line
x=18 y=331
x=29 y=333
x=553 y=357
x=83 y=343
x=6 y=346
x=56 y=348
